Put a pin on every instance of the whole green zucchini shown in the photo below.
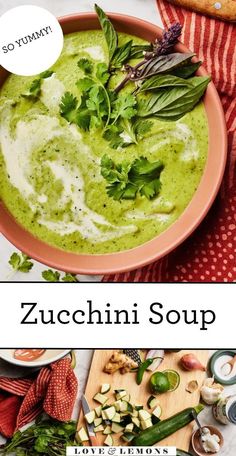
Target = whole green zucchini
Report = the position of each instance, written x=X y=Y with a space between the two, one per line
x=182 y=453
x=166 y=427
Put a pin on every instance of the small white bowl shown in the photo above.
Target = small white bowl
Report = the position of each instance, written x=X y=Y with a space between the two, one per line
x=49 y=356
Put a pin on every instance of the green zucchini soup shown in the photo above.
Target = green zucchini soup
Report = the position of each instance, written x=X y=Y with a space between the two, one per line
x=90 y=168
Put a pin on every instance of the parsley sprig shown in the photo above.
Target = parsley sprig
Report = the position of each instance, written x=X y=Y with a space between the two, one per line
x=101 y=108
x=127 y=179
x=20 y=262
x=54 y=276
x=94 y=108
x=35 y=87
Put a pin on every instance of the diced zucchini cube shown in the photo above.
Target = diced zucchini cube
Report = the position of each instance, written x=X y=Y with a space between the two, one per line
x=128 y=436
x=124 y=406
x=109 y=413
x=144 y=415
x=90 y=417
x=146 y=424
x=121 y=394
x=82 y=435
x=105 y=388
x=152 y=402
x=126 y=398
x=97 y=421
x=138 y=407
x=117 y=405
x=103 y=415
x=116 y=418
x=116 y=428
x=129 y=427
x=98 y=411
x=107 y=430
x=136 y=421
x=157 y=411
x=99 y=428
x=108 y=440
x=100 y=398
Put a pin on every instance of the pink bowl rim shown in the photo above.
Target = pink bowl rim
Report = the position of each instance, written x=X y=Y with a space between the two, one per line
x=179 y=231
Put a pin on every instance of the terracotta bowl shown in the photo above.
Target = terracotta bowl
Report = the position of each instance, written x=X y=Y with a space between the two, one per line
x=196 y=441
x=176 y=233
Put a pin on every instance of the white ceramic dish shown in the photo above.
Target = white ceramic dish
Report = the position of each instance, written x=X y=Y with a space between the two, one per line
x=49 y=356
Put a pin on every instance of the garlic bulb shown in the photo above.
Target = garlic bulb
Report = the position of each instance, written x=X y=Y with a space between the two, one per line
x=211 y=392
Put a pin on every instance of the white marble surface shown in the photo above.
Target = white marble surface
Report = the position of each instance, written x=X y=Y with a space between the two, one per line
x=145 y=9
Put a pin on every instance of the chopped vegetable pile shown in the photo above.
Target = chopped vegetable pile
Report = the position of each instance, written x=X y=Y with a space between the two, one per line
x=120 y=416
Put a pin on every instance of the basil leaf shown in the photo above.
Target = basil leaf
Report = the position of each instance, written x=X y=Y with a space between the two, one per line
x=121 y=54
x=173 y=103
x=164 y=64
x=108 y=30
x=137 y=50
x=164 y=81
x=186 y=71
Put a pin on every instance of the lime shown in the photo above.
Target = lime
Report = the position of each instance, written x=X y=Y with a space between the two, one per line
x=173 y=377
x=159 y=383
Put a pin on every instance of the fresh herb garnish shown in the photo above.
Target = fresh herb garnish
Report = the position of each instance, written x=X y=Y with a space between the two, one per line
x=124 y=107
x=127 y=179
x=163 y=87
x=139 y=50
x=187 y=70
x=102 y=74
x=45 y=437
x=69 y=278
x=20 y=262
x=122 y=54
x=54 y=276
x=112 y=135
x=108 y=30
x=51 y=276
x=142 y=127
x=85 y=65
x=160 y=47
x=35 y=87
x=117 y=55
x=94 y=108
x=173 y=103
x=166 y=81
x=162 y=64
x=68 y=106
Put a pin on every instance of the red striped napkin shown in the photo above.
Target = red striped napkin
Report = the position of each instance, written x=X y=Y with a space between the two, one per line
x=209 y=255
x=53 y=391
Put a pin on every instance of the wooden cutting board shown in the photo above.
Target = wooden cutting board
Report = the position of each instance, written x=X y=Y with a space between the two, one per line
x=171 y=403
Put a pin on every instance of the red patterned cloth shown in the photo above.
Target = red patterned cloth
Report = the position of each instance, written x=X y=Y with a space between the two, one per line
x=53 y=391
x=209 y=255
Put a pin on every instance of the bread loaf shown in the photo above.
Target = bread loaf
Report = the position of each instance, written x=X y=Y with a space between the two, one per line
x=223 y=9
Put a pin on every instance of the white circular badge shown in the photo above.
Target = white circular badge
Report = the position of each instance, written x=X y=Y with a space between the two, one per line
x=31 y=40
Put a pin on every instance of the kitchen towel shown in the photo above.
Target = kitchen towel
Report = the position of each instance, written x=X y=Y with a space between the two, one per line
x=209 y=255
x=53 y=391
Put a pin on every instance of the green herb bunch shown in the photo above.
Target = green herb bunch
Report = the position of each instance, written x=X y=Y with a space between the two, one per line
x=165 y=87
x=45 y=437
